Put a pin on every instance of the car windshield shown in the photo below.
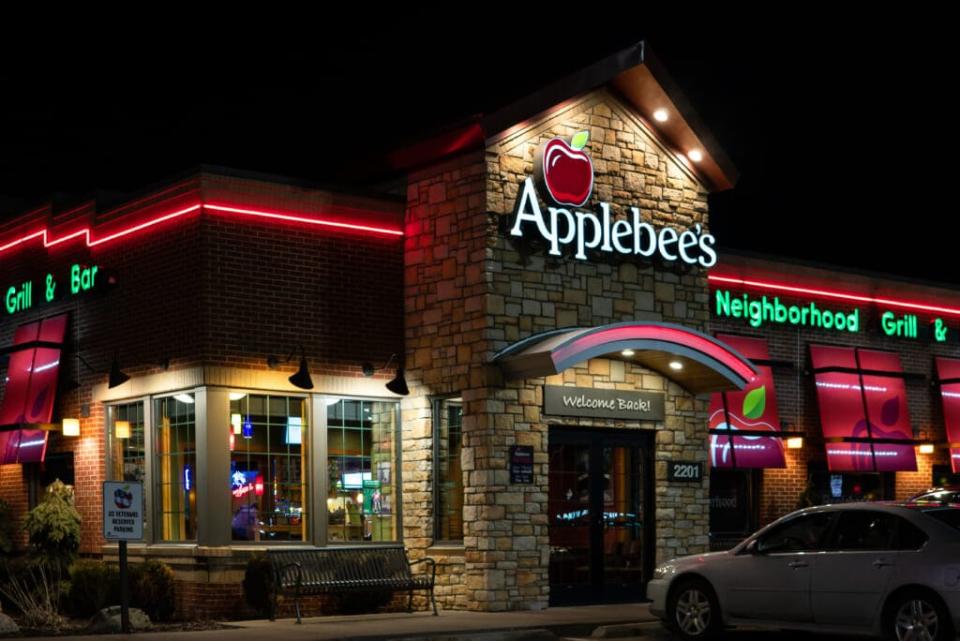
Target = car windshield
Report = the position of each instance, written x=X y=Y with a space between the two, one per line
x=945 y=514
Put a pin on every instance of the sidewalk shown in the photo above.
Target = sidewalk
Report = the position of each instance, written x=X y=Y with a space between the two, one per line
x=568 y=621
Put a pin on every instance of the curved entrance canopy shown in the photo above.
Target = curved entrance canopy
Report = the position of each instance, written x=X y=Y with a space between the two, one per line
x=698 y=362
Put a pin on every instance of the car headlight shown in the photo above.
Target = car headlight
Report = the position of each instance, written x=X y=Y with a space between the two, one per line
x=663 y=571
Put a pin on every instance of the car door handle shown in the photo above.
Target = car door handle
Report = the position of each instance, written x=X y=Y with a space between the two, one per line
x=880 y=563
x=798 y=564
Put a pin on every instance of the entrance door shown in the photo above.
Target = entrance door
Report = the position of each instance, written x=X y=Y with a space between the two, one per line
x=600 y=510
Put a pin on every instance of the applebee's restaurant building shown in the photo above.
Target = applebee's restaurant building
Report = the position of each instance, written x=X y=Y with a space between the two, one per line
x=506 y=368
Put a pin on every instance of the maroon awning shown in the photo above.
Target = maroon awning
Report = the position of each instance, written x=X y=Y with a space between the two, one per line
x=948 y=374
x=30 y=390
x=752 y=409
x=863 y=406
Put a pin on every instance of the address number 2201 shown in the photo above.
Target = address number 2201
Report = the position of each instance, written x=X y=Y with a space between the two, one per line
x=684 y=471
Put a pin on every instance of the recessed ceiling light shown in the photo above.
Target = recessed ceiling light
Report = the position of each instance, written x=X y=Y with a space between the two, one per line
x=661 y=115
x=236 y=396
x=676 y=365
x=184 y=398
x=628 y=352
x=695 y=155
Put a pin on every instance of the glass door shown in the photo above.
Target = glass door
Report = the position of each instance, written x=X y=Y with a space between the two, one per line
x=601 y=529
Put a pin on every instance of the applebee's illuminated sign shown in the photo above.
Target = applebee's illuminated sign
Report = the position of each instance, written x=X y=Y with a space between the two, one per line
x=565 y=174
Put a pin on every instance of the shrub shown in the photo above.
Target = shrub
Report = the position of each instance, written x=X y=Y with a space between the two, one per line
x=94 y=585
x=258 y=585
x=34 y=588
x=152 y=589
x=54 y=526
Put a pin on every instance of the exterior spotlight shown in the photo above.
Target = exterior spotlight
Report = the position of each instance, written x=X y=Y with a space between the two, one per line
x=71 y=427
x=676 y=366
x=794 y=442
x=695 y=155
x=661 y=115
x=399 y=384
x=117 y=377
x=301 y=378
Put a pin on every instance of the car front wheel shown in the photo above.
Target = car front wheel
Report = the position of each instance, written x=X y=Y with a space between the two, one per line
x=693 y=610
x=917 y=616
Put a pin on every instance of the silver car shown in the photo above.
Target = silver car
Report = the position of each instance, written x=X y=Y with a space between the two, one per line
x=863 y=568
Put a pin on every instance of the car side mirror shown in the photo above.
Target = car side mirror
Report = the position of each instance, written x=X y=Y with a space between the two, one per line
x=751 y=547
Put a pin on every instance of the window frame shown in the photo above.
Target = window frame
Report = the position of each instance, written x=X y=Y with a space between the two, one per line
x=148 y=451
x=199 y=436
x=323 y=489
x=308 y=439
x=436 y=403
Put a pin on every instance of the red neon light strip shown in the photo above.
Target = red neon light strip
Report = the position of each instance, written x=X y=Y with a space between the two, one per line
x=86 y=232
x=859 y=298
x=301 y=219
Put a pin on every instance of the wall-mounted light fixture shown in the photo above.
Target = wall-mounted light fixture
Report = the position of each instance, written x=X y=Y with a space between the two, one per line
x=399 y=383
x=71 y=427
x=300 y=378
x=117 y=376
x=795 y=443
x=926 y=448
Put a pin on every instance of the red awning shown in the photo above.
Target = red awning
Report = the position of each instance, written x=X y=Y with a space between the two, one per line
x=948 y=373
x=863 y=404
x=30 y=389
x=754 y=408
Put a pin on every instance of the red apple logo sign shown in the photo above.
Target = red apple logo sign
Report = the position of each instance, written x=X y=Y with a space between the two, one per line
x=564 y=170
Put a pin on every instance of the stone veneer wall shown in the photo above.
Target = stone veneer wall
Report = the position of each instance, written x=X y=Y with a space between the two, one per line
x=469 y=293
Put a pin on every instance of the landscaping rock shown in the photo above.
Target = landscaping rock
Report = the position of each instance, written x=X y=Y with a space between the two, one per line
x=107 y=620
x=8 y=625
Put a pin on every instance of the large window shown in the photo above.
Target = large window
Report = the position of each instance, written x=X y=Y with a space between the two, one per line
x=448 y=473
x=125 y=442
x=176 y=467
x=269 y=436
x=361 y=468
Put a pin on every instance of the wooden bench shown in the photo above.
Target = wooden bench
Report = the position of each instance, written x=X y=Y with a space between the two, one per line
x=343 y=569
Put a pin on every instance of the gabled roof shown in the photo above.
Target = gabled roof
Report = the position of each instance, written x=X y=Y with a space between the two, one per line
x=635 y=74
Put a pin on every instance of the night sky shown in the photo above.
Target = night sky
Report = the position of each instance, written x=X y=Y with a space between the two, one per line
x=841 y=131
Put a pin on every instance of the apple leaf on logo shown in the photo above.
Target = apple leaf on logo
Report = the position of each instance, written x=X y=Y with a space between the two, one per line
x=755 y=402
x=580 y=139
x=890 y=411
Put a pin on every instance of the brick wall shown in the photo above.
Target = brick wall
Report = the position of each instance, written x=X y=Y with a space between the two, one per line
x=208 y=289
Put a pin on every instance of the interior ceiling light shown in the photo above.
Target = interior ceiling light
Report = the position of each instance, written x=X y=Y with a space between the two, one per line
x=695 y=155
x=236 y=396
x=676 y=366
x=121 y=429
x=184 y=398
x=627 y=352
x=661 y=115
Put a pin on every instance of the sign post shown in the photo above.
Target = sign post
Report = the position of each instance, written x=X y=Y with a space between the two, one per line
x=122 y=522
